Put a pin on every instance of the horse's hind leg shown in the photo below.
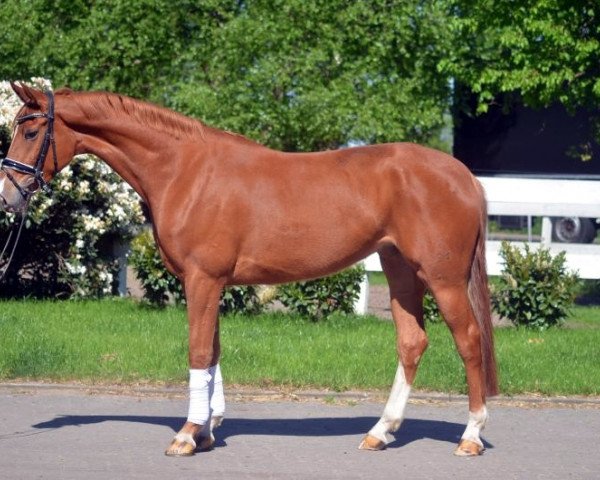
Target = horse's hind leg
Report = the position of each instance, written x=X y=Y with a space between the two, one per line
x=456 y=309
x=406 y=294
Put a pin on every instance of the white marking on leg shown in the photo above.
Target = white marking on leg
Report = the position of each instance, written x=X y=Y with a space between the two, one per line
x=393 y=413
x=185 y=438
x=217 y=398
x=2 y=185
x=475 y=425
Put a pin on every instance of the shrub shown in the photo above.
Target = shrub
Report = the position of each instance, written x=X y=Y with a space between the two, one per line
x=535 y=289
x=322 y=297
x=67 y=245
x=243 y=300
x=158 y=284
x=431 y=313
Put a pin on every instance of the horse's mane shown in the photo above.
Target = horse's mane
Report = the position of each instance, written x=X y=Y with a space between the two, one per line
x=103 y=104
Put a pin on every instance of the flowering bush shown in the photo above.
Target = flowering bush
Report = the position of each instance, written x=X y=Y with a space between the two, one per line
x=67 y=247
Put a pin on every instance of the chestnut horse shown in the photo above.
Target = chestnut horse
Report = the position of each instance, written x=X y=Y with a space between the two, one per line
x=226 y=210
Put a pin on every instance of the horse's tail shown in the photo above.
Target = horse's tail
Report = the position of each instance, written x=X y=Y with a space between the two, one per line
x=479 y=296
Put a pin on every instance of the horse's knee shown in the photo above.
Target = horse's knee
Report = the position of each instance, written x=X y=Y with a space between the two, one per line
x=202 y=359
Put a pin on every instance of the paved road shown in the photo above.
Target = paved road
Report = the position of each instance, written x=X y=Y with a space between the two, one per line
x=50 y=434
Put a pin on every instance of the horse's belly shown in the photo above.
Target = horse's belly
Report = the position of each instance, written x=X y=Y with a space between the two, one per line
x=294 y=262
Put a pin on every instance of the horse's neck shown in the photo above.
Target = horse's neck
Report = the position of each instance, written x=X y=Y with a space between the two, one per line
x=134 y=151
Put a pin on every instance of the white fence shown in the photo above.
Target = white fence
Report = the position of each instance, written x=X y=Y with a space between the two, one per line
x=531 y=197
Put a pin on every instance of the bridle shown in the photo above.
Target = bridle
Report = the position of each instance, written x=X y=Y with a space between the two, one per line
x=37 y=171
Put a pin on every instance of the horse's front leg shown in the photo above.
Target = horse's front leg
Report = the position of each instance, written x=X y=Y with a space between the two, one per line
x=206 y=388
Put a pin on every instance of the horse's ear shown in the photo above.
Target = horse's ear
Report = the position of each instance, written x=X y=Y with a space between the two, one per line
x=31 y=97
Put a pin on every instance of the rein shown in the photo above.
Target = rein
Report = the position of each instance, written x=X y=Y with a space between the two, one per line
x=37 y=172
x=14 y=247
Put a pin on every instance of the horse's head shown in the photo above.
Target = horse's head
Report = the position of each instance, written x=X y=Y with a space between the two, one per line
x=41 y=146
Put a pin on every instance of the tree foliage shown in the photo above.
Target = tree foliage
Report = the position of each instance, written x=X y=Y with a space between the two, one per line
x=294 y=74
x=301 y=75
x=307 y=75
x=546 y=51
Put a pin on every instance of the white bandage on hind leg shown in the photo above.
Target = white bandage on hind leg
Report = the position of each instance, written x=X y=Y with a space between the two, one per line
x=217 y=398
x=477 y=421
x=199 y=411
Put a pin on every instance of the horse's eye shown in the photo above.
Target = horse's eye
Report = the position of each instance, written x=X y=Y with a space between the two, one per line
x=30 y=134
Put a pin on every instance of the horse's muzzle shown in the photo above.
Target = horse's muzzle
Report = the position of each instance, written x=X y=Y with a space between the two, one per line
x=15 y=204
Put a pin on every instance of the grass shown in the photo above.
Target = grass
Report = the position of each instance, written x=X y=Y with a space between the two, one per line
x=121 y=342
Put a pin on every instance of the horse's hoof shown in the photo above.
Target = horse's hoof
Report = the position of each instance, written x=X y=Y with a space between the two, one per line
x=468 y=448
x=371 y=443
x=181 y=446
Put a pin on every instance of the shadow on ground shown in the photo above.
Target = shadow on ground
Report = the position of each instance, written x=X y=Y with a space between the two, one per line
x=411 y=430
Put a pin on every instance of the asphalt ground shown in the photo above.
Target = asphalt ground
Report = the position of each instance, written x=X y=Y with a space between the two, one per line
x=57 y=432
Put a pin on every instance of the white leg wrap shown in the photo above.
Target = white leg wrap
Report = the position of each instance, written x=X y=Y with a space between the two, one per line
x=217 y=398
x=206 y=395
x=199 y=411
x=475 y=425
x=393 y=413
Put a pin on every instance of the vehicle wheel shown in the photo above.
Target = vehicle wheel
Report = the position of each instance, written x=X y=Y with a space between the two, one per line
x=573 y=230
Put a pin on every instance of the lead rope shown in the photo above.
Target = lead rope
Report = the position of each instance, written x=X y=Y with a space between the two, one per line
x=14 y=247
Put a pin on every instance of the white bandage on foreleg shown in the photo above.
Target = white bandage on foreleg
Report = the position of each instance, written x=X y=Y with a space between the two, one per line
x=217 y=398
x=199 y=411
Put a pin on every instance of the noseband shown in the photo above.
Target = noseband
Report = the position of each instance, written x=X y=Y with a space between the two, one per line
x=37 y=171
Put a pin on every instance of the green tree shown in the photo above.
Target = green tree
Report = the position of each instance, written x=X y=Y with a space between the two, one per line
x=132 y=47
x=294 y=74
x=306 y=75
x=545 y=51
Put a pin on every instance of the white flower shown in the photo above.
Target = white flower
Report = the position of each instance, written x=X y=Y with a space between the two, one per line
x=10 y=103
x=93 y=224
x=117 y=212
x=84 y=187
x=66 y=172
x=75 y=269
